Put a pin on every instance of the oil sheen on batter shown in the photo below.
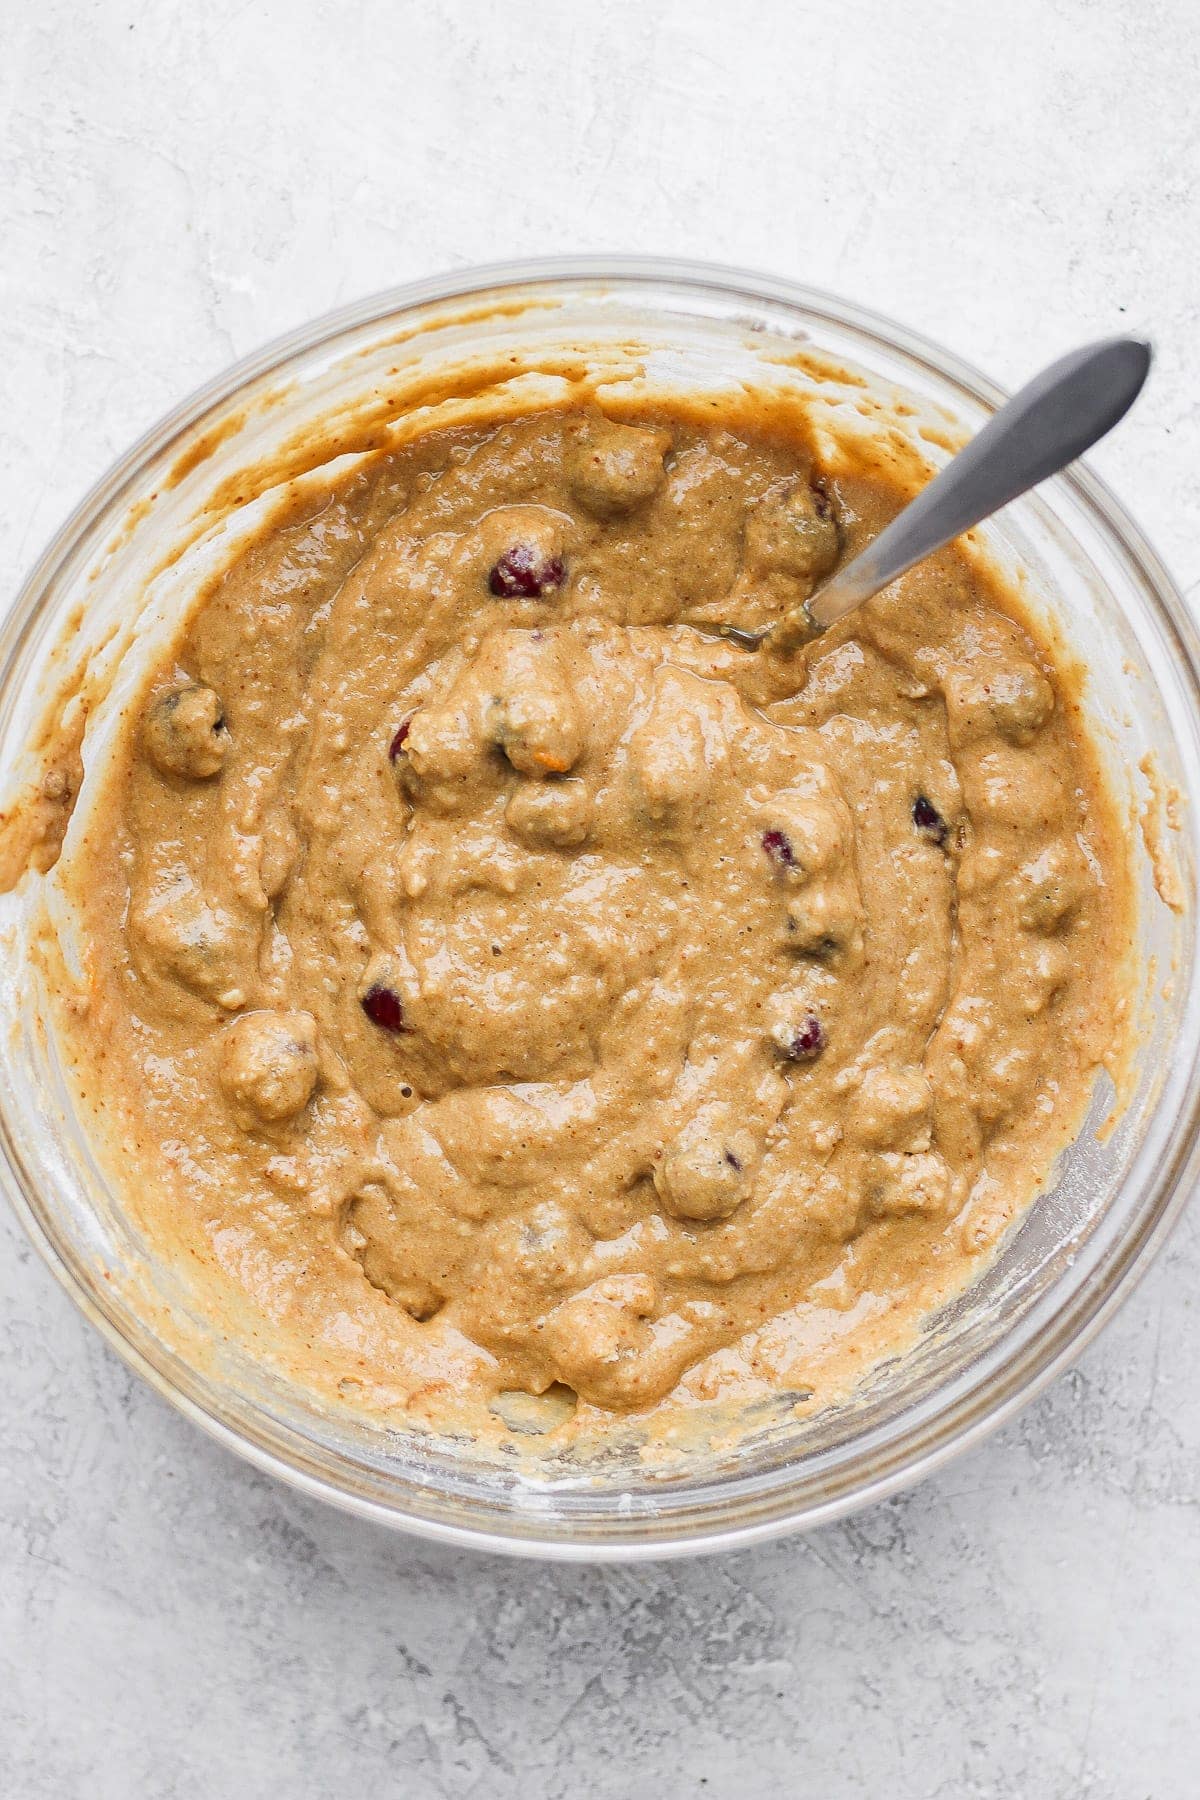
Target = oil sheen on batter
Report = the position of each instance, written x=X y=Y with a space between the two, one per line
x=498 y=982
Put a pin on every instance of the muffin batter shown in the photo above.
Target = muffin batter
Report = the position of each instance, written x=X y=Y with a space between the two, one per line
x=498 y=982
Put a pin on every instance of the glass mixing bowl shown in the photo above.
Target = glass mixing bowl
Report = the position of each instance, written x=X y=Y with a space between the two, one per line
x=114 y=580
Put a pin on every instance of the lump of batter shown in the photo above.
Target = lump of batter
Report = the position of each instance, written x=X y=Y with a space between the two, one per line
x=709 y=1168
x=553 y=998
x=181 y=939
x=613 y=468
x=269 y=1064
x=185 y=734
x=793 y=530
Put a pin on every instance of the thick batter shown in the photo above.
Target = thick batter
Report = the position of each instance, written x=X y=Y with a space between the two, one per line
x=498 y=982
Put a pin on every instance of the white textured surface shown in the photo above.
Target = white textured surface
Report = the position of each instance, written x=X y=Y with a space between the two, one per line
x=179 y=182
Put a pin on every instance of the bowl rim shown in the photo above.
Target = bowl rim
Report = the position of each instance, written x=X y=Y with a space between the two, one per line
x=1036 y=1365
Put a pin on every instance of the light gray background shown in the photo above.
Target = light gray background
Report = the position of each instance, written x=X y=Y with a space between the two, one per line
x=179 y=182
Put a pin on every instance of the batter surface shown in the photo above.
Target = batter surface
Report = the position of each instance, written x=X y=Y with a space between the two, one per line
x=498 y=983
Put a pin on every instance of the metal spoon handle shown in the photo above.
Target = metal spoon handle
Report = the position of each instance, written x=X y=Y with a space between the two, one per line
x=1061 y=413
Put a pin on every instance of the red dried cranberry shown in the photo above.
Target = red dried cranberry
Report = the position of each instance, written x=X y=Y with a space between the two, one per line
x=383 y=1007
x=778 y=846
x=397 y=743
x=928 y=820
x=524 y=573
x=806 y=1041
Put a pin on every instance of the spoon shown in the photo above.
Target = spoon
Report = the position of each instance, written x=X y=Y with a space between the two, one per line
x=1061 y=413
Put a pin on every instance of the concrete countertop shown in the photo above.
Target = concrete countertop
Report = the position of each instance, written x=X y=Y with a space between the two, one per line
x=179 y=183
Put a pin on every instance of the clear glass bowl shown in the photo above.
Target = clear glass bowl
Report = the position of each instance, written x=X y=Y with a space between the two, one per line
x=124 y=564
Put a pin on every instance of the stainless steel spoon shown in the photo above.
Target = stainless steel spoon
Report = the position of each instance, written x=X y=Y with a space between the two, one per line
x=1061 y=413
